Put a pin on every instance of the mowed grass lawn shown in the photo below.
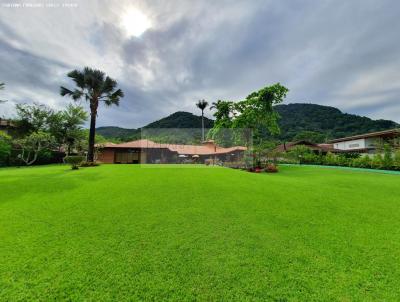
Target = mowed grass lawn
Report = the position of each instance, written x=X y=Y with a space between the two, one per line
x=121 y=232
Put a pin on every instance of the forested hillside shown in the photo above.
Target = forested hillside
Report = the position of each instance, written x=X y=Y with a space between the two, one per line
x=298 y=121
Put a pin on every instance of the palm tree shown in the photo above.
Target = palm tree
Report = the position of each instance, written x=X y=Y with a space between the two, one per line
x=202 y=104
x=94 y=86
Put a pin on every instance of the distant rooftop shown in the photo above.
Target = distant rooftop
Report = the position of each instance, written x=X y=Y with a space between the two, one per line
x=385 y=133
x=208 y=148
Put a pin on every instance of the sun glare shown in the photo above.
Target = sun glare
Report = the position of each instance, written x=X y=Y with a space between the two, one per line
x=135 y=23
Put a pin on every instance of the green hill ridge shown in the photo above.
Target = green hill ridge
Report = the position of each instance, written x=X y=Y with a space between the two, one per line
x=296 y=119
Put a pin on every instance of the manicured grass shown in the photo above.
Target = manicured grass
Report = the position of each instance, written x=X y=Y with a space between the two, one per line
x=121 y=232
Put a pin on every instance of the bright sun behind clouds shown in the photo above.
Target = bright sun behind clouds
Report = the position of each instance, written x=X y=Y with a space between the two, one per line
x=134 y=22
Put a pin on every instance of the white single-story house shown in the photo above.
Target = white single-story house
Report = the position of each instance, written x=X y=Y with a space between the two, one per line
x=364 y=143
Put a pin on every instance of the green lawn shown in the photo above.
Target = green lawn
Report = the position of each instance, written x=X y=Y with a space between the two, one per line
x=121 y=232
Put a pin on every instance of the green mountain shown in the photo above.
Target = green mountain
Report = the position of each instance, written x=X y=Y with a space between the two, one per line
x=115 y=132
x=317 y=122
x=329 y=121
x=178 y=120
x=181 y=119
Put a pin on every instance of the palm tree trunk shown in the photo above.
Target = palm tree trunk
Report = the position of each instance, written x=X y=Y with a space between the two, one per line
x=202 y=125
x=92 y=134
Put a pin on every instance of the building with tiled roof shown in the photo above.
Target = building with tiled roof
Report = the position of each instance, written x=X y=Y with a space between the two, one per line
x=147 y=151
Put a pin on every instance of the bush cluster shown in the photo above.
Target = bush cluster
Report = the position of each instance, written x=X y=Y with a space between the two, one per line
x=387 y=160
x=74 y=160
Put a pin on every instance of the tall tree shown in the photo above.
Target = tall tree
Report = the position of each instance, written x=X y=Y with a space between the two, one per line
x=254 y=113
x=202 y=104
x=95 y=87
x=221 y=131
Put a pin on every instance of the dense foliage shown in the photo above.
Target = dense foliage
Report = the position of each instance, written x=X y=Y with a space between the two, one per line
x=5 y=148
x=388 y=159
x=248 y=118
x=328 y=121
x=311 y=122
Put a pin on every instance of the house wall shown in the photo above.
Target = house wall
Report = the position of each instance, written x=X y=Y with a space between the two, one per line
x=353 y=144
x=106 y=156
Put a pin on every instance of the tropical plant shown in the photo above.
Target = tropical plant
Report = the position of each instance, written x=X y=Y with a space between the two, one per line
x=74 y=161
x=95 y=87
x=222 y=129
x=202 y=104
x=255 y=113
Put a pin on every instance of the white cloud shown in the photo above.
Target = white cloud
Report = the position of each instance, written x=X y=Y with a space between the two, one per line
x=336 y=53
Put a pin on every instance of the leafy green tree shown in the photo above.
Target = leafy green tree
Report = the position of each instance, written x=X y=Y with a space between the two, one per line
x=32 y=145
x=221 y=131
x=253 y=113
x=5 y=147
x=95 y=87
x=65 y=126
x=32 y=118
x=202 y=104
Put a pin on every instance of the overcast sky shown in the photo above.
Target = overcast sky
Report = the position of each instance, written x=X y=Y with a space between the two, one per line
x=167 y=54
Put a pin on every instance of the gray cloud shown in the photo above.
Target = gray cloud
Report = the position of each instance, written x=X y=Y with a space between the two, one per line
x=338 y=53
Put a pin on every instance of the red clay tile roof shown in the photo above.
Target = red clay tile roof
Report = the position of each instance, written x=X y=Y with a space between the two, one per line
x=208 y=148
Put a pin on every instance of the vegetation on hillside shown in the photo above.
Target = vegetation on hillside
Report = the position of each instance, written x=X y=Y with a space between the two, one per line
x=325 y=120
x=312 y=122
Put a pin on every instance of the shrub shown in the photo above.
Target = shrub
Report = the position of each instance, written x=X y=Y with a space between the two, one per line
x=396 y=160
x=330 y=159
x=377 y=162
x=387 y=157
x=271 y=168
x=342 y=160
x=89 y=164
x=361 y=162
x=300 y=154
x=74 y=161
